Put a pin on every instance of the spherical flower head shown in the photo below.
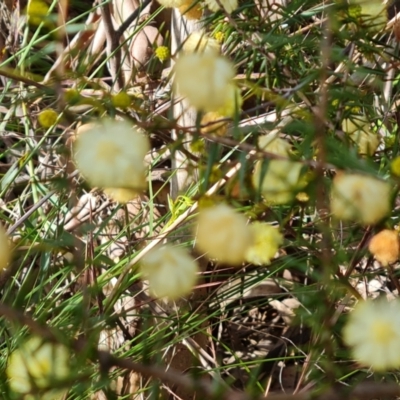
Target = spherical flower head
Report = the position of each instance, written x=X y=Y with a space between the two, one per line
x=219 y=36
x=121 y=100
x=162 y=53
x=358 y=129
x=273 y=144
x=280 y=182
x=214 y=124
x=395 y=166
x=47 y=118
x=361 y=198
x=171 y=272
x=371 y=14
x=267 y=240
x=111 y=155
x=385 y=246
x=191 y=10
x=121 y=195
x=373 y=333
x=5 y=249
x=204 y=80
x=200 y=42
x=37 y=364
x=223 y=234
x=172 y=3
x=37 y=11
x=228 y=5
x=233 y=103
x=72 y=96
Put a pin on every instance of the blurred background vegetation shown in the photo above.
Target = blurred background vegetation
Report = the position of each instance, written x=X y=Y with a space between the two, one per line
x=303 y=67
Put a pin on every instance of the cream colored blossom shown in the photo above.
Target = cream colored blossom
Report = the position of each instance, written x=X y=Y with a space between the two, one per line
x=192 y=10
x=121 y=195
x=279 y=180
x=172 y=3
x=214 y=123
x=204 y=80
x=361 y=198
x=5 y=249
x=373 y=333
x=359 y=131
x=200 y=42
x=233 y=102
x=275 y=145
x=385 y=246
x=37 y=364
x=111 y=154
x=228 y=5
x=371 y=14
x=267 y=240
x=223 y=234
x=171 y=272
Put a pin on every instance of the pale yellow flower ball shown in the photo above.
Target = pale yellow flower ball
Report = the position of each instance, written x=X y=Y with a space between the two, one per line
x=371 y=13
x=172 y=3
x=5 y=249
x=111 y=155
x=171 y=272
x=200 y=42
x=233 y=102
x=385 y=246
x=228 y=5
x=38 y=364
x=204 y=79
x=360 y=198
x=214 y=124
x=275 y=145
x=121 y=195
x=191 y=10
x=223 y=234
x=267 y=240
x=359 y=131
x=280 y=182
x=373 y=333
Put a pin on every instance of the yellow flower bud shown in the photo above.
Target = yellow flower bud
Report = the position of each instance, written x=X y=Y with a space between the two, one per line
x=162 y=53
x=170 y=271
x=121 y=100
x=47 y=118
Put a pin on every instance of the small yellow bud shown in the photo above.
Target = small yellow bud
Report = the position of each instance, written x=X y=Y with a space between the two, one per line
x=37 y=11
x=219 y=36
x=162 y=53
x=72 y=96
x=47 y=118
x=121 y=100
